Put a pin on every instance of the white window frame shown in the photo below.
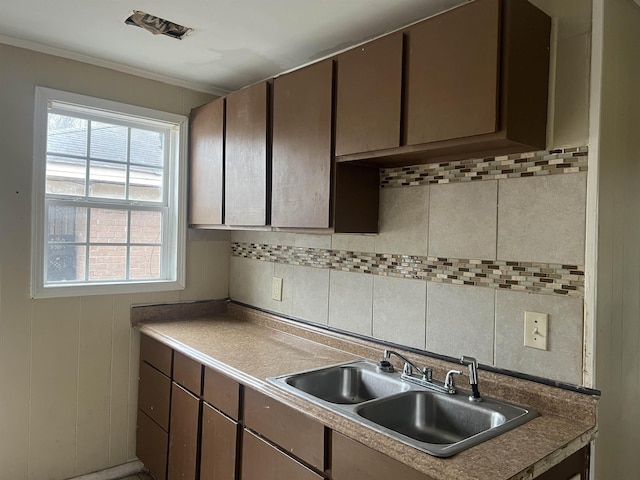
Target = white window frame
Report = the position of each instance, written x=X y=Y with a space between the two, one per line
x=174 y=198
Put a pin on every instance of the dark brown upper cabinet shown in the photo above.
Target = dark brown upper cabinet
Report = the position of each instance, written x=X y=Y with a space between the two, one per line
x=368 y=96
x=475 y=84
x=452 y=74
x=301 y=149
x=247 y=160
x=206 y=164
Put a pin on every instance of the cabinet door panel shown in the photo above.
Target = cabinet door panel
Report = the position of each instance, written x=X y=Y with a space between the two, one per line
x=293 y=431
x=301 y=185
x=155 y=353
x=221 y=392
x=246 y=160
x=183 y=438
x=261 y=461
x=219 y=440
x=368 y=96
x=452 y=82
x=351 y=460
x=151 y=446
x=187 y=372
x=575 y=467
x=154 y=390
x=206 y=164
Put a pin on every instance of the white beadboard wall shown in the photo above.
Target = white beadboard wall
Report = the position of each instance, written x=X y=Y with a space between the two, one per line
x=69 y=366
x=617 y=346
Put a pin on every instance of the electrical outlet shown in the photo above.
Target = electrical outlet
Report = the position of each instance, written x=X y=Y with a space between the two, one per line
x=276 y=289
x=536 y=329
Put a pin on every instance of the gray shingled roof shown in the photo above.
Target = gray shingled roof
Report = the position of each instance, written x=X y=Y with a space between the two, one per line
x=108 y=142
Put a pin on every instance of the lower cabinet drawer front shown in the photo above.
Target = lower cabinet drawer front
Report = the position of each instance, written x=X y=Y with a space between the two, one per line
x=351 y=460
x=219 y=445
x=187 y=372
x=154 y=394
x=262 y=461
x=183 y=434
x=293 y=431
x=155 y=353
x=151 y=446
x=222 y=392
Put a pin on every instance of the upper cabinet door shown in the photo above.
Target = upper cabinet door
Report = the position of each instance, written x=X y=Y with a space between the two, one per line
x=453 y=70
x=301 y=188
x=247 y=160
x=206 y=164
x=368 y=96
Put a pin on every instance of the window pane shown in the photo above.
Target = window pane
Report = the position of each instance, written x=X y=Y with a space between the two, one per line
x=108 y=226
x=107 y=262
x=67 y=224
x=65 y=263
x=144 y=263
x=107 y=180
x=146 y=227
x=66 y=176
x=145 y=183
x=108 y=142
x=66 y=135
x=147 y=148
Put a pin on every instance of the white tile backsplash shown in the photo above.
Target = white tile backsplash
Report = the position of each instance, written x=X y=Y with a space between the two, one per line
x=460 y=321
x=399 y=310
x=542 y=219
x=404 y=221
x=563 y=360
x=351 y=302
x=463 y=220
x=527 y=219
x=311 y=294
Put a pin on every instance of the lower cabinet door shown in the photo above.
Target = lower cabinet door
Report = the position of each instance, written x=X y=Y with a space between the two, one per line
x=151 y=446
x=219 y=445
x=183 y=438
x=354 y=461
x=574 y=467
x=263 y=461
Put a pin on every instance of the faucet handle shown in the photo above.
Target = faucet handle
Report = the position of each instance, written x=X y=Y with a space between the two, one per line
x=449 y=382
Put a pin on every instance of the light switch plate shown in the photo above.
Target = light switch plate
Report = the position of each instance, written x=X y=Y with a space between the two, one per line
x=536 y=329
x=276 y=289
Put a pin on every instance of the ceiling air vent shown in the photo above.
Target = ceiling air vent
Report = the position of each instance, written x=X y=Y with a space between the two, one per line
x=157 y=25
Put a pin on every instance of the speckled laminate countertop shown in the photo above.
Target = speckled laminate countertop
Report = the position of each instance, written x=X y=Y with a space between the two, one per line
x=251 y=346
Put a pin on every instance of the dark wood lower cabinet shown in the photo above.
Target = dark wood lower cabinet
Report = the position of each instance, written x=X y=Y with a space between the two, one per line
x=263 y=461
x=351 y=460
x=297 y=433
x=218 y=446
x=183 y=435
x=575 y=467
x=151 y=446
x=238 y=433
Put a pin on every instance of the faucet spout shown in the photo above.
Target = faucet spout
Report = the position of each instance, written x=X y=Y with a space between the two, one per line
x=473 y=377
x=409 y=366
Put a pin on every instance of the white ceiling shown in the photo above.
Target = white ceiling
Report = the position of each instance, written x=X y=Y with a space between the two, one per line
x=235 y=42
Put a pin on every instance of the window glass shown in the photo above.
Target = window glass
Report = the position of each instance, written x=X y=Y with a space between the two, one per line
x=108 y=216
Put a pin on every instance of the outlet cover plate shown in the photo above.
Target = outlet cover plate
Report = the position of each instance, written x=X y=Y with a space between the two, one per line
x=276 y=289
x=536 y=329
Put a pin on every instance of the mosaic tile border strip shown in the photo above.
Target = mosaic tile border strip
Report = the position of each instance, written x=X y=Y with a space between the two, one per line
x=533 y=277
x=532 y=164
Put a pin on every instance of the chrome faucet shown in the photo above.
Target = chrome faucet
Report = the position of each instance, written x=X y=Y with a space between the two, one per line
x=473 y=377
x=409 y=366
x=425 y=375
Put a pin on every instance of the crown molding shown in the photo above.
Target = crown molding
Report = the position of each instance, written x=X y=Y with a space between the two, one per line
x=119 y=67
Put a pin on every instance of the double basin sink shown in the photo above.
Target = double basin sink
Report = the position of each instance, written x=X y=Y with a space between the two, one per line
x=440 y=424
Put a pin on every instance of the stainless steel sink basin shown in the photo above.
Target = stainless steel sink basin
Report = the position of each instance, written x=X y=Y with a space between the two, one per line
x=437 y=423
x=346 y=384
x=443 y=424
